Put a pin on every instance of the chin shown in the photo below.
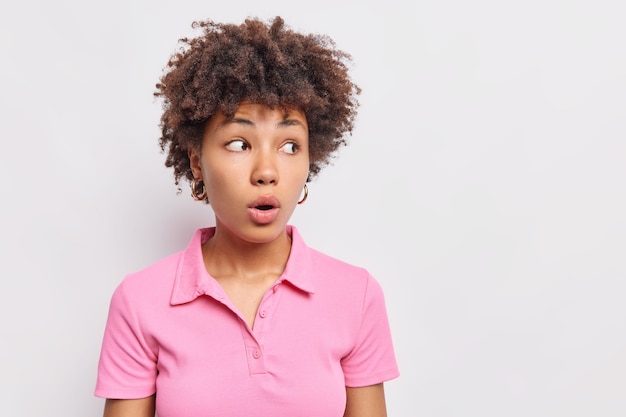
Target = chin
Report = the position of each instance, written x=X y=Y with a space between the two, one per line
x=266 y=233
x=254 y=233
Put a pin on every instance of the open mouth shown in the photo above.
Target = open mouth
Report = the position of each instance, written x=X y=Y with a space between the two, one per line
x=264 y=210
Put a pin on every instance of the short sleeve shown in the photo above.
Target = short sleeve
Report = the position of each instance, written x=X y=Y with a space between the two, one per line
x=372 y=360
x=127 y=365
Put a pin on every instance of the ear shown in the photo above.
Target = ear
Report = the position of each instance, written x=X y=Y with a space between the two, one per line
x=194 y=162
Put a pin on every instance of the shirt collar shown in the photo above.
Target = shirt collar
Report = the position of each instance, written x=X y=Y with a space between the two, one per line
x=192 y=280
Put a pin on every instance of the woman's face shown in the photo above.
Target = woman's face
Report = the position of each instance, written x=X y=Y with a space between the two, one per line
x=254 y=166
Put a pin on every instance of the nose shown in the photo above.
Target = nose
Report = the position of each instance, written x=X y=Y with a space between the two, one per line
x=264 y=171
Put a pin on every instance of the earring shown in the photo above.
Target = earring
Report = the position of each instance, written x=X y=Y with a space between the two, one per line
x=306 y=194
x=195 y=185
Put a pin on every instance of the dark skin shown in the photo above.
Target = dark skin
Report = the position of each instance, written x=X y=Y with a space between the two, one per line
x=360 y=402
x=257 y=62
x=250 y=156
x=271 y=65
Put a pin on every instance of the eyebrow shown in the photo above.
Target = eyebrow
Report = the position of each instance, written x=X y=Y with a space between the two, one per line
x=247 y=122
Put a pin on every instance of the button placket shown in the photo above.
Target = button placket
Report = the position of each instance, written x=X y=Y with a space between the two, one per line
x=253 y=338
x=265 y=308
x=256 y=360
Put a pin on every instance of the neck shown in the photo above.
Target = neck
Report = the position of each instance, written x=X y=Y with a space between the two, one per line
x=226 y=255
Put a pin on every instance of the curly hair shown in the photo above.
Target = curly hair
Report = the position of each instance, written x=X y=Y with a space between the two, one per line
x=262 y=63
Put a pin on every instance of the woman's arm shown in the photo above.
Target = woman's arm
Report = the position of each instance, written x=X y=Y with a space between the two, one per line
x=143 y=407
x=365 y=401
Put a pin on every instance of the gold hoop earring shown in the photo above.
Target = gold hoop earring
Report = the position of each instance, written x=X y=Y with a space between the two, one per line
x=195 y=184
x=306 y=194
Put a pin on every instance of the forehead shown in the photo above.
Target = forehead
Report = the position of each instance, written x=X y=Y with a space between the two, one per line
x=254 y=115
x=258 y=110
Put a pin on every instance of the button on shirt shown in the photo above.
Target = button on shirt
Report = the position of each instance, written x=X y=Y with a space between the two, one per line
x=172 y=330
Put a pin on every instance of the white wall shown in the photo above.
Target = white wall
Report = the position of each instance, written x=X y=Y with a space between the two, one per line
x=484 y=187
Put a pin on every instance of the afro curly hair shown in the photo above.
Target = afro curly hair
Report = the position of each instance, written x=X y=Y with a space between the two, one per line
x=258 y=62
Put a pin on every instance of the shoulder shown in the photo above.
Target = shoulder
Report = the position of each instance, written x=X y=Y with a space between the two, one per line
x=152 y=280
x=329 y=265
x=327 y=272
x=163 y=273
x=343 y=277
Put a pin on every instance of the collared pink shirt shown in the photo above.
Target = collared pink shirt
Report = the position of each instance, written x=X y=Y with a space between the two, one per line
x=172 y=330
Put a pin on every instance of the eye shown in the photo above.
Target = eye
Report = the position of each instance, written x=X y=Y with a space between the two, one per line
x=290 y=148
x=237 y=145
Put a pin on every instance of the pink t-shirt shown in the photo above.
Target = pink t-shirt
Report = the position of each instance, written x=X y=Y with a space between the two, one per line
x=172 y=330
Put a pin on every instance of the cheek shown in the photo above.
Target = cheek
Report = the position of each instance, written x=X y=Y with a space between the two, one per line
x=223 y=179
x=305 y=168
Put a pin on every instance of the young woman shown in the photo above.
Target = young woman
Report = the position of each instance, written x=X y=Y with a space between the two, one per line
x=248 y=320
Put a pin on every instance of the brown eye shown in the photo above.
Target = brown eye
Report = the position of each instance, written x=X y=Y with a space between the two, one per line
x=290 y=148
x=237 y=145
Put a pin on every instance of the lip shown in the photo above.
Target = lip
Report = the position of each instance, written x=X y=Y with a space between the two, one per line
x=268 y=200
x=264 y=216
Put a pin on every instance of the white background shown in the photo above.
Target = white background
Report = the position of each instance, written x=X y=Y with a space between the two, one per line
x=484 y=187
